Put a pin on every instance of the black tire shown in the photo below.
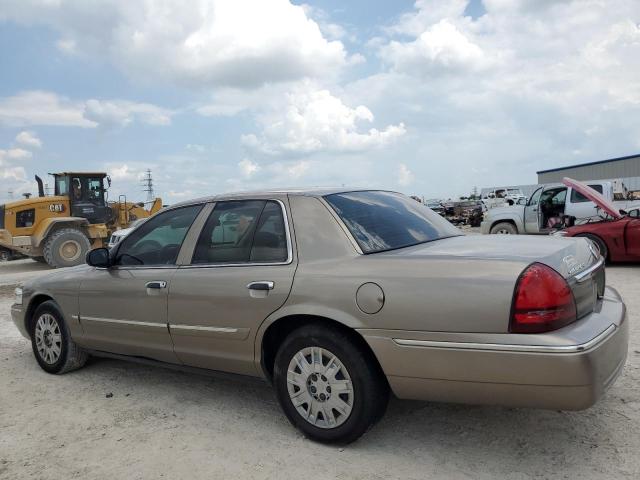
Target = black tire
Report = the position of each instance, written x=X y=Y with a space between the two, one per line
x=39 y=259
x=66 y=247
x=504 y=228
x=71 y=356
x=370 y=389
x=604 y=251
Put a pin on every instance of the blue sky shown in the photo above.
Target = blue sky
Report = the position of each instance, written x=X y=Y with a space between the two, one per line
x=429 y=98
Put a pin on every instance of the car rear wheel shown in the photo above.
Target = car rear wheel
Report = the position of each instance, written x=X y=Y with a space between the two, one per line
x=504 y=228
x=51 y=341
x=329 y=386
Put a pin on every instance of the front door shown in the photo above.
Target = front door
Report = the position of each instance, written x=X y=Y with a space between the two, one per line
x=532 y=213
x=241 y=271
x=123 y=309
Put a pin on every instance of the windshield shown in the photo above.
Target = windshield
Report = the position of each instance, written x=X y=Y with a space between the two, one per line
x=382 y=221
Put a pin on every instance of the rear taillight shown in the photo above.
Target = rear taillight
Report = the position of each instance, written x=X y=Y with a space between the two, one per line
x=542 y=302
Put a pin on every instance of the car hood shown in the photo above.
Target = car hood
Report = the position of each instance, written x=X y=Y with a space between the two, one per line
x=122 y=232
x=567 y=256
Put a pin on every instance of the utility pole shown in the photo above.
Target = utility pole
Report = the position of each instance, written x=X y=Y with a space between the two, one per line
x=147 y=183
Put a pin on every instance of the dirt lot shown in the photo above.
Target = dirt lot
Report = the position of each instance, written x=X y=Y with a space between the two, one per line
x=165 y=424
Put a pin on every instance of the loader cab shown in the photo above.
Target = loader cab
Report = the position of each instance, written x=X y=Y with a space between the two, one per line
x=86 y=193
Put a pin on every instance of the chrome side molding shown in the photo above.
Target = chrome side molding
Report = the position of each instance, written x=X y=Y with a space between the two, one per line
x=503 y=347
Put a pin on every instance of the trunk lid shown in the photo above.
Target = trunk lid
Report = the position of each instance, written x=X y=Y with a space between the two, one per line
x=574 y=258
x=568 y=256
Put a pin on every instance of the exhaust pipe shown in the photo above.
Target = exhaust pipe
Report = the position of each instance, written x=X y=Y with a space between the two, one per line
x=40 y=186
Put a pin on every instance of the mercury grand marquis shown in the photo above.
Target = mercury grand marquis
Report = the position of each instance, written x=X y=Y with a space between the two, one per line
x=339 y=298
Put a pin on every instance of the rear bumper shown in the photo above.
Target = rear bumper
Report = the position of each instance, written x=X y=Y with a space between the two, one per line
x=569 y=369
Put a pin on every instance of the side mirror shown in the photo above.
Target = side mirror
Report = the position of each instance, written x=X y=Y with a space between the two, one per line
x=98 y=257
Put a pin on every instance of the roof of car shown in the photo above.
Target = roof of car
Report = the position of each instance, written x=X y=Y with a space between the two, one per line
x=308 y=192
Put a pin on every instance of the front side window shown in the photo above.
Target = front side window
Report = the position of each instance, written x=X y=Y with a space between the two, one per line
x=243 y=231
x=158 y=240
x=382 y=221
x=577 y=197
x=94 y=190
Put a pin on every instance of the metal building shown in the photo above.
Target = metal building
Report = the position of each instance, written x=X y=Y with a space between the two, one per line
x=626 y=168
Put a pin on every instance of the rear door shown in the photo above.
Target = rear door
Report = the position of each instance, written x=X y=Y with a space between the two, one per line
x=241 y=271
x=123 y=309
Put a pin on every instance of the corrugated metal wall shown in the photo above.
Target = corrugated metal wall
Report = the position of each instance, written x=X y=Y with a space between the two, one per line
x=628 y=170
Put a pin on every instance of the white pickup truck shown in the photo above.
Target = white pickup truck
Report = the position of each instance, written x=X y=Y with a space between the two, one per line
x=502 y=197
x=548 y=205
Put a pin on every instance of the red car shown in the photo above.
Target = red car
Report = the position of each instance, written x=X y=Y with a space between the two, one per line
x=618 y=238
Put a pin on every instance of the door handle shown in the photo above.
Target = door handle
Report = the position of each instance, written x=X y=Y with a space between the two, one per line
x=261 y=285
x=157 y=284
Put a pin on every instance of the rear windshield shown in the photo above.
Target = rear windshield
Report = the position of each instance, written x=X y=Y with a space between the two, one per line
x=382 y=221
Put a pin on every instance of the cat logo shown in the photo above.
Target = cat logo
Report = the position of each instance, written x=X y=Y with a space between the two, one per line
x=56 y=207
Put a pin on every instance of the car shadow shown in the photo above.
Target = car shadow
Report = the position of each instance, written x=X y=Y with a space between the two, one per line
x=408 y=426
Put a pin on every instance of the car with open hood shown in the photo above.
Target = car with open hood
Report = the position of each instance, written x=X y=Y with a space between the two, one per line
x=544 y=210
x=339 y=298
x=615 y=232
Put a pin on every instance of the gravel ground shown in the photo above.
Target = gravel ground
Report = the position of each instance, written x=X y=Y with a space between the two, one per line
x=117 y=420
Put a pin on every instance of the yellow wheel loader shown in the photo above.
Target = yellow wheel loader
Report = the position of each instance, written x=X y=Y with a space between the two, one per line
x=60 y=229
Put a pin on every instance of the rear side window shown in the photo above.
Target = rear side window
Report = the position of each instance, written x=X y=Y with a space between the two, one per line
x=382 y=221
x=158 y=240
x=270 y=239
x=243 y=231
x=577 y=197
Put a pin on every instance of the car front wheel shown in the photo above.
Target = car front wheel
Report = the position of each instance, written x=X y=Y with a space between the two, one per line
x=328 y=385
x=504 y=228
x=53 y=347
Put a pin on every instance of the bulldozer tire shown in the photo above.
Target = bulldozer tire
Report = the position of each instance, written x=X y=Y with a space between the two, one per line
x=66 y=247
x=40 y=259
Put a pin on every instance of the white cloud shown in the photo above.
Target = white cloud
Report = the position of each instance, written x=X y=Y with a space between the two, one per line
x=36 y=107
x=248 y=168
x=312 y=120
x=441 y=48
x=120 y=113
x=29 y=139
x=195 y=147
x=13 y=177
x=212 y=42
x=123 y=172
x=15 y=154
x=405 y=176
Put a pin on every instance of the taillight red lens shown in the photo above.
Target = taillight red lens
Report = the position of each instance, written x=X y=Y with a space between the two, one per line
x=543 y=301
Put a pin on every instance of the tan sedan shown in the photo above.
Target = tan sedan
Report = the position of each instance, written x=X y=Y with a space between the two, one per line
x=338 y=298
